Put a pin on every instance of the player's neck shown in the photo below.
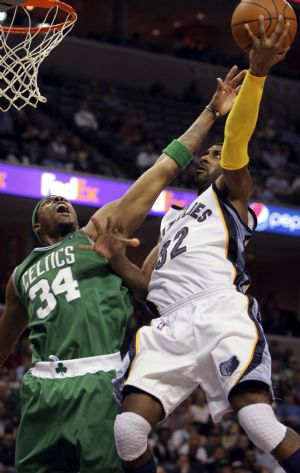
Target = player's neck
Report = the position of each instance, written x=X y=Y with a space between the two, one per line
x=203 y=187
x=57 y=236
x=53 y=240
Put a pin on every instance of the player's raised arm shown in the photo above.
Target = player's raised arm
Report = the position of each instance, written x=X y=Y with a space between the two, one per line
x=12 y=323
x=131 y=210
x=242 y=119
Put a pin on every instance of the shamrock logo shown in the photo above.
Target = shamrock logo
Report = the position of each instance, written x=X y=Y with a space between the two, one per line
x=61 y=369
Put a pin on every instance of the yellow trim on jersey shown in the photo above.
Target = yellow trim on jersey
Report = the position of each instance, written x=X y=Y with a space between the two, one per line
x=227 y=234
x=241 y=123
x=136 y=350
x=254 y=347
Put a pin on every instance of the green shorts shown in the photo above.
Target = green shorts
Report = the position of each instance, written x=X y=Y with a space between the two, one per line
x=67 y=425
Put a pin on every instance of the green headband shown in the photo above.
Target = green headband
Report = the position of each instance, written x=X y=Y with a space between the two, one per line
x=34 y=218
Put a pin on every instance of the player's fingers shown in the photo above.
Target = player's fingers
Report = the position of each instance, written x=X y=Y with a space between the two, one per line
x=127 y=241
x=134 y=242
x=220 y=83
x=86 y=247
x=284 y=53
x=262 y=30
x=231 y=74
x=96 y=224
x=278 y=29
x=238 y=79
x=283 y=35
x=108 y=223
x=251 y=34
x=237 y=89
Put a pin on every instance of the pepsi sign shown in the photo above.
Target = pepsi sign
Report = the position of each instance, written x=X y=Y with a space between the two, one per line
x=283 y=220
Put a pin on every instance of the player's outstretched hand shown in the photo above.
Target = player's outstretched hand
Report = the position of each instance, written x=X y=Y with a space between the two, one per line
x=109 y=241
x=227 y=91
x=266 y=51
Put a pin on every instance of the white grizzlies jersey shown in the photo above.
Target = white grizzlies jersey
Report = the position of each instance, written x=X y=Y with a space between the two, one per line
x=202 y=248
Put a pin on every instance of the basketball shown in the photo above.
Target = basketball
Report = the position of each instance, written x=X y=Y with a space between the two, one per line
x=248 y=11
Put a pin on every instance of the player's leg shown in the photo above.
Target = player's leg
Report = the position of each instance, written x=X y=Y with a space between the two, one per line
x=140 y=413
x=40 y=447
x=92 y=423
x=161 y=376
x=251 y=402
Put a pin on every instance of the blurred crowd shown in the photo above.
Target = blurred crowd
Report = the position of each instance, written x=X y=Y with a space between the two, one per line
x=188 y=441
x=118 y=131
x=187 y=43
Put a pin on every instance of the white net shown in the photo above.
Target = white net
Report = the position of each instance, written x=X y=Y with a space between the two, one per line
x=22 y=54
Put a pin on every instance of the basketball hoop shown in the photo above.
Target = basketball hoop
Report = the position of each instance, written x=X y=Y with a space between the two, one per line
x=23 y=49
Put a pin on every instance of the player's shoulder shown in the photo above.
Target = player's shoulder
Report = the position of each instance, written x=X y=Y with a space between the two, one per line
x=172 y=214
x=226 y=204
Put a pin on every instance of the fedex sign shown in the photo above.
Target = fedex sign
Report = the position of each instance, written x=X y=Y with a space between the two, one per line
x=73 y=188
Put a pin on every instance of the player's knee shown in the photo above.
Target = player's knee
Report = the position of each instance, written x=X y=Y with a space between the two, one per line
x=131 y=435
x=260 y=424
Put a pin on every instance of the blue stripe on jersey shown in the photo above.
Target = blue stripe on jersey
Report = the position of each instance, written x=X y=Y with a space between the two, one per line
x=254 y=315
x=239 y=234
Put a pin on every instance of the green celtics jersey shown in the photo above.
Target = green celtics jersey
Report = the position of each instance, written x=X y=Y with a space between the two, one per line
x=77 y=307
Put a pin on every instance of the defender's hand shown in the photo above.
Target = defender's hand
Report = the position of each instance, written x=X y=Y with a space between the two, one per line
x=109 y=242
x=227 y=91
x=266 y=51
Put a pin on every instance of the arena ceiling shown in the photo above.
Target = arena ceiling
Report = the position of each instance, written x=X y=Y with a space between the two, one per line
x=203 y=23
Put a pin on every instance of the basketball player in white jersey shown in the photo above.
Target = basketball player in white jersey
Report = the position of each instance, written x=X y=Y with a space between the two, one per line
x=208 y=332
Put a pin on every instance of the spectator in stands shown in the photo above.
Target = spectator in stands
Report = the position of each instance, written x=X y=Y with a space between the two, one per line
x=162 y=447
x=278 y=184
x=295 y=192
x=112 y=101
x=13 y=156
x=59 y=147
x=289 y=135
x=239 y=467
x=31 y=132
x=237 y=453
x=184 y=465
x=6 y=123
x=146 y=157
x=131 y=128
x=160 y=469
x=218 y=455
x=231 y=436
x=224 y=466
x=85 y=119
x=273 y=156
x=250 y=461
x=288 y=412
x=194 y=446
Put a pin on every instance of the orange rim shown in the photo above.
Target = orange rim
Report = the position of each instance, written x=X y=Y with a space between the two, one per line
x=44 y=4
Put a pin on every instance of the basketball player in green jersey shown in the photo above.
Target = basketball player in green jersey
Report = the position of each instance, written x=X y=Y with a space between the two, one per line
x=77 y=311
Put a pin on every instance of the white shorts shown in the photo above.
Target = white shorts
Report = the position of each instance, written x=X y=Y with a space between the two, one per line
x=213 y=339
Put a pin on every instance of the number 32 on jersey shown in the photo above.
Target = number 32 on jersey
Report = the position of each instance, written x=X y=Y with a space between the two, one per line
x=177 y=249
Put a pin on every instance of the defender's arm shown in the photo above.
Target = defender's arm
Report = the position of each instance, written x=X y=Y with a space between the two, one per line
x=137 y=279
